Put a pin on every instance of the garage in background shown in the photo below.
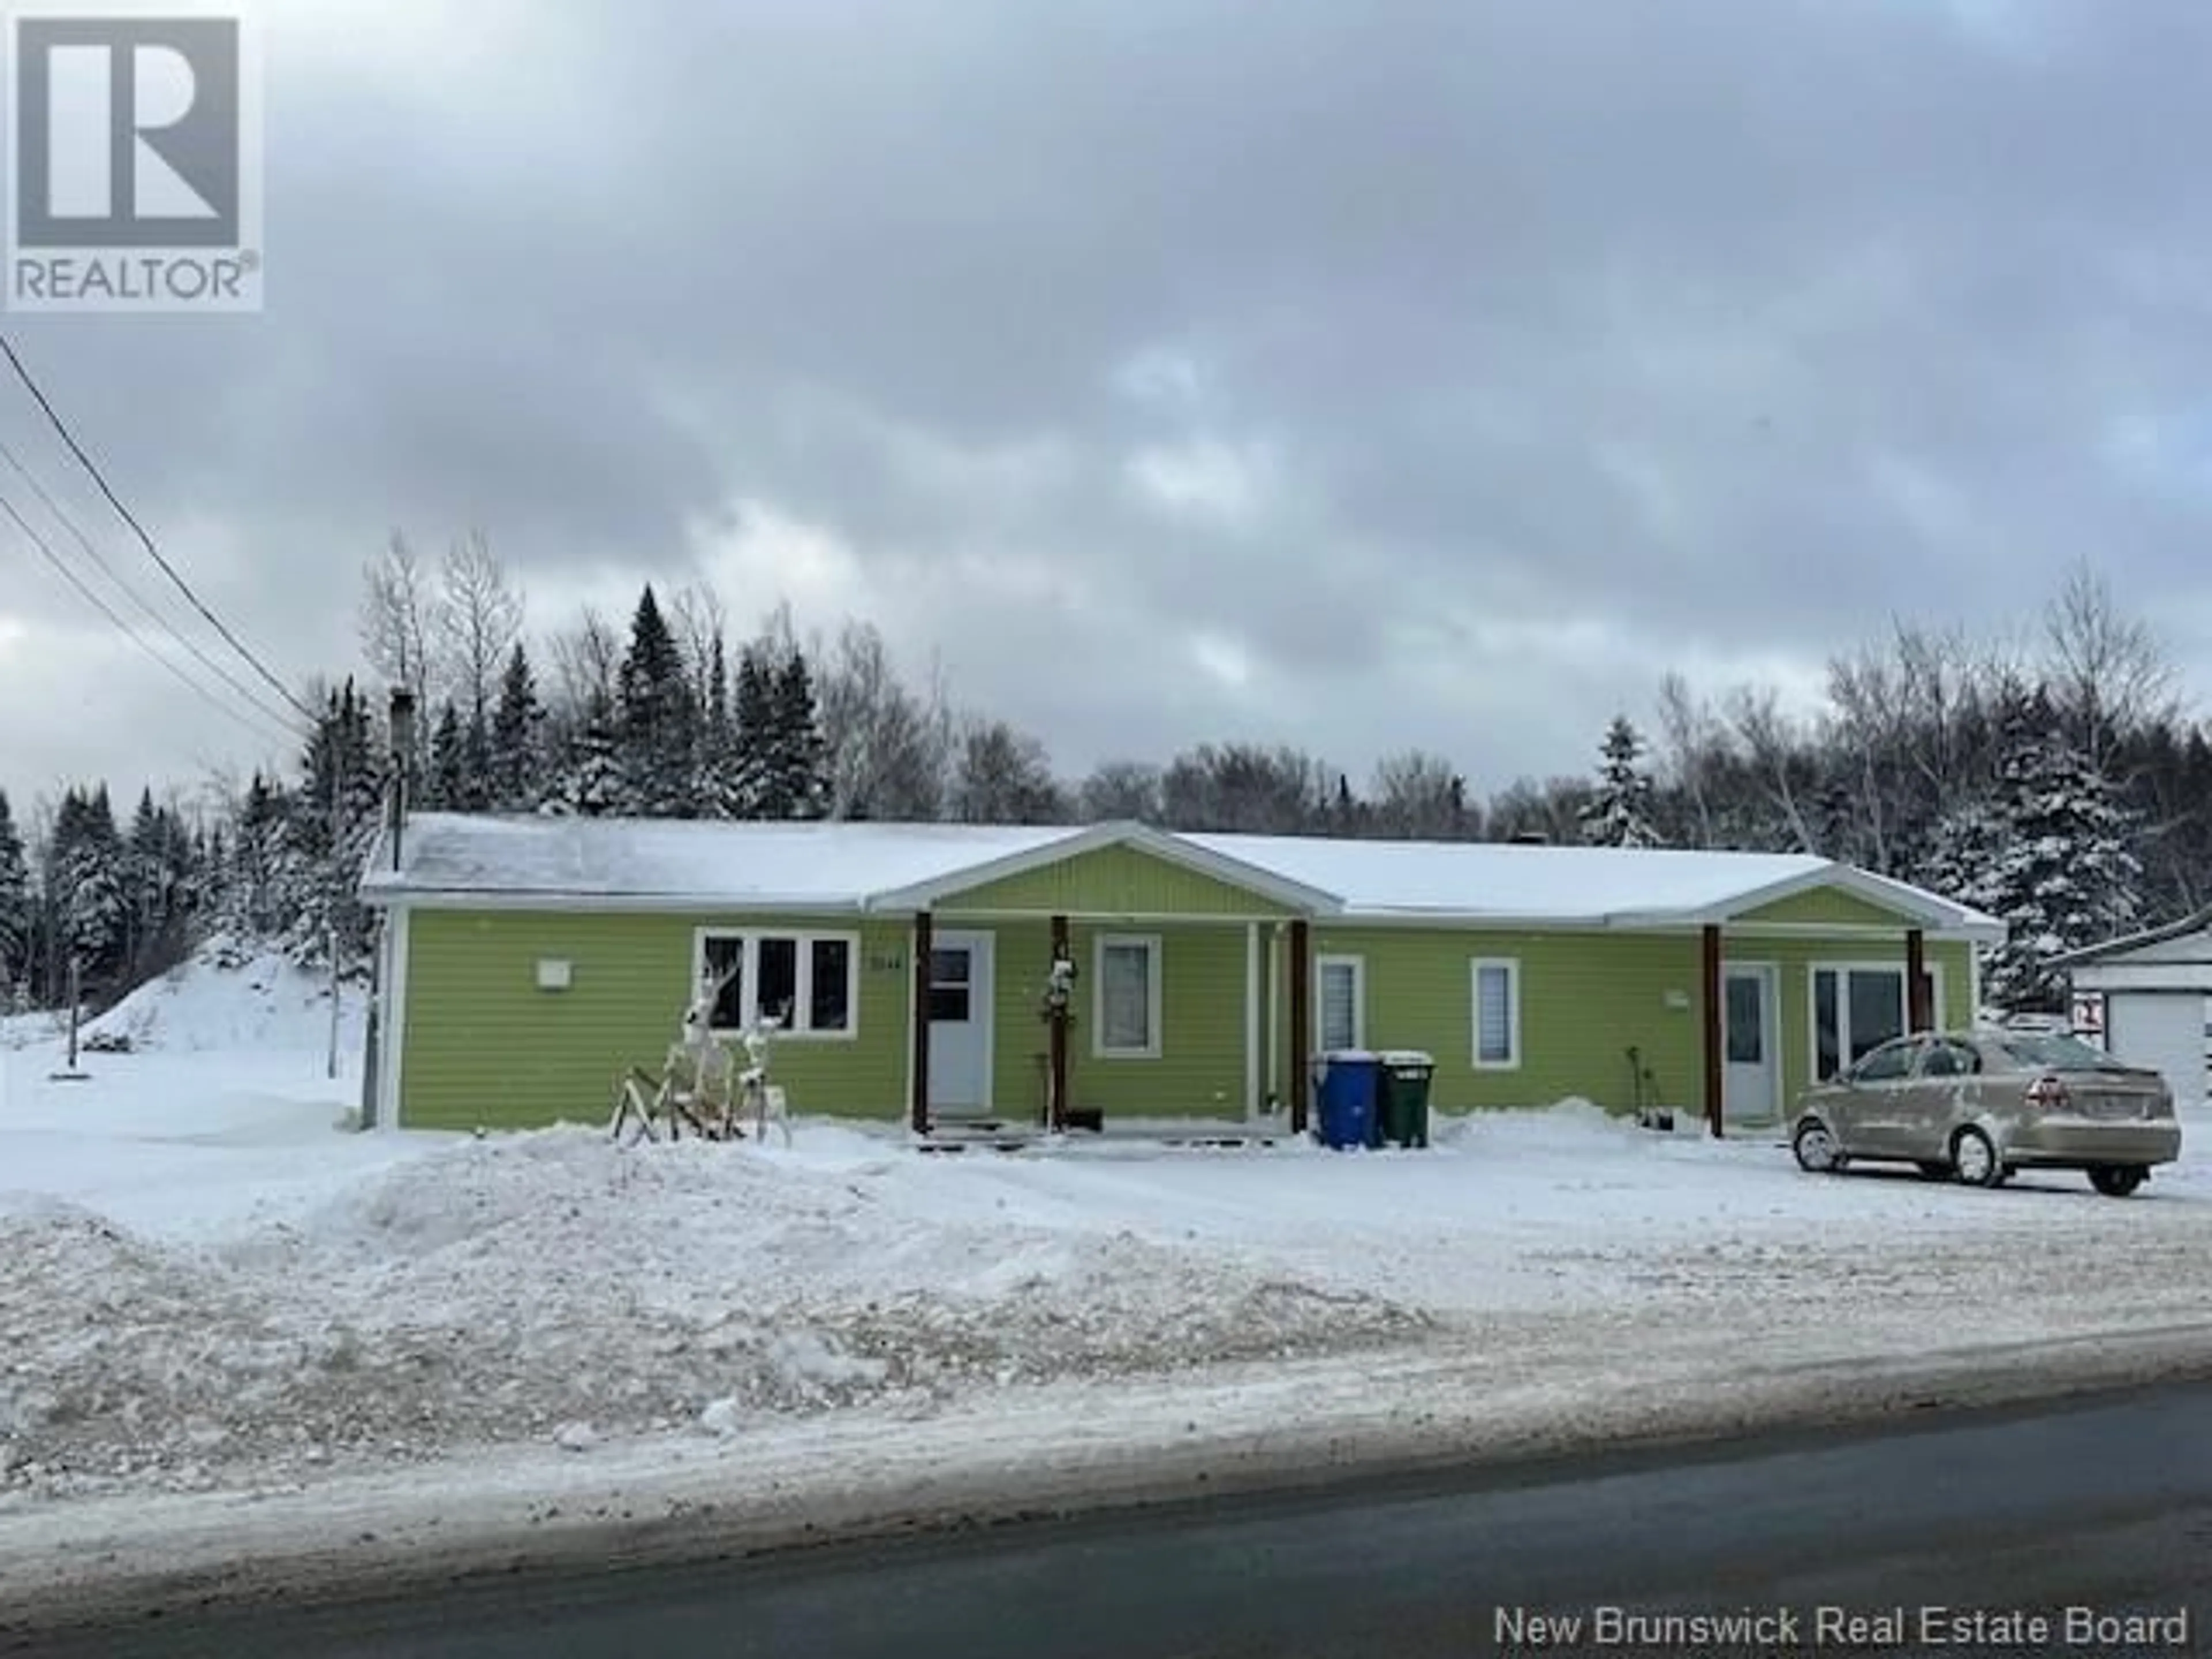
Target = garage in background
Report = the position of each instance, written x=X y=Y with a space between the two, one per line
x=2147 y=994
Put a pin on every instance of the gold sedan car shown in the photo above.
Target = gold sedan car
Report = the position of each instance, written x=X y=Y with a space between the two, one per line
x=1978 y=1107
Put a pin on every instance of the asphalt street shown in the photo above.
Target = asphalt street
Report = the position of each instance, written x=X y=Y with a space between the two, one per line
x=1950 y=1534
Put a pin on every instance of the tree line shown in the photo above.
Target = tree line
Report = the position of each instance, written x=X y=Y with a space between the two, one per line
x=2053 y=775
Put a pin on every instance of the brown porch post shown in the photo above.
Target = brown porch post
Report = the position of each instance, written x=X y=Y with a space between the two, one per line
x=918 y=1108
x=1057 y=1105
x=1711 y=1002
x=1918 y=1015
x=1300 y=969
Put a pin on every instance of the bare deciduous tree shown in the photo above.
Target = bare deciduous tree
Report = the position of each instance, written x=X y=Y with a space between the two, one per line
x=395 y=619
x=2109 y=674
x=889 y=749
x=586 y=663
x=1004 y=776
x=1121 y=791
x=1421 y=796
x=478 y=619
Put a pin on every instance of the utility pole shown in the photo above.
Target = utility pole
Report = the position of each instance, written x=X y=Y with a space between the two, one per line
x=336 y=874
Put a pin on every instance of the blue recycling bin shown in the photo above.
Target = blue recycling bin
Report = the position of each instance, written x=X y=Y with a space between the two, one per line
x=1346 y=1084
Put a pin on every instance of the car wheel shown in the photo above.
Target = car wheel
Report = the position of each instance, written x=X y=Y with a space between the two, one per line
x=2116 y=1180
x=1814 y=1145
x=1936 y=1169
x=1974 y=1159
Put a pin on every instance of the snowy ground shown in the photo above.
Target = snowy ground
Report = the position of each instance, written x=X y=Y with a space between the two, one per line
x=211 y=1288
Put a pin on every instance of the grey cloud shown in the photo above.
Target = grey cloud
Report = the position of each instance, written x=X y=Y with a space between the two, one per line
x=1723 y=329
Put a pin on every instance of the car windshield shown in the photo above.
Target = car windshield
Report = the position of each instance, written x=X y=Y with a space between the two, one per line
x=2065 y=1053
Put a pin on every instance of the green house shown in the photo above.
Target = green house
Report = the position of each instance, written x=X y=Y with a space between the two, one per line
x=525 y=962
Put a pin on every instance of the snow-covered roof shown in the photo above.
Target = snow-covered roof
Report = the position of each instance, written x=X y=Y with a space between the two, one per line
x=1489 y=878
x=699 y=863
x=894 y=867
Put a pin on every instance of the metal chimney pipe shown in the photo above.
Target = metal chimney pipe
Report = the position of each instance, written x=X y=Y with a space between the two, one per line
x=403 y=752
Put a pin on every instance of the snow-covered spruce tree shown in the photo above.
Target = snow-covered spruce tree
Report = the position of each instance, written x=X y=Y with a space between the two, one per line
x=754 y=743
x=2046 y=850
x=720 y=788
x=88 y=892
x=796 y=784
x=328 y=835
x=1620 y=813
x=448 y=781
x=658 y=716
x=590 y=781
x=17 y=905
x=518 y=740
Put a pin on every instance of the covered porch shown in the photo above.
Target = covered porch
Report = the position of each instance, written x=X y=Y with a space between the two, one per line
x=1197 y=1026
x=1128 y=976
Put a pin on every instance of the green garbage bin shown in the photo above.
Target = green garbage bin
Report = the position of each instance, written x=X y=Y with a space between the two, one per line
x=1404 y=1117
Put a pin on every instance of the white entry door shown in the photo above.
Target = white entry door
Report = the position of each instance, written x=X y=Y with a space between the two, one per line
x=960 y=1024
x=1751 y=1063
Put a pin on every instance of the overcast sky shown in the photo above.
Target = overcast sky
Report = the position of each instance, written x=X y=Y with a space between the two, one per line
x=1353 y=374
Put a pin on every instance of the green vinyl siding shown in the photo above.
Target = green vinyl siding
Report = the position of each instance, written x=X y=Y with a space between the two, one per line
x=1200 y=1068
x=1113 y=881
x=1827 y=907
x=1585 y=999
x=483 y=1047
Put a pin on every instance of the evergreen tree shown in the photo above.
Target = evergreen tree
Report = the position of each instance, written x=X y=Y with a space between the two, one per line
x=517 y=761
x=475 y=791
x=1620 y=813
x=720 y=789
x=448 y=777
x=591 y=782
x=795 y=777
x=754 y=742
x=88 y=890
x=328 y=837
x=657 y=717
x=2046 y=850
x=17 y=921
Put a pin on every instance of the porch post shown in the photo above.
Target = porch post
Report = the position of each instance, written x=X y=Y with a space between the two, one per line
x=1056 y=1106
x=1252 y=1049
x=1300 y=970
x=918 y=1107
x=1712 y=1033
x=1920 y=1017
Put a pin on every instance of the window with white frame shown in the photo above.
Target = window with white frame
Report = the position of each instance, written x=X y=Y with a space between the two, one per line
x=1496 y=1013
x=807 y=983
x=1125 y=1018
x=1857 y=1007
x=1340 y=998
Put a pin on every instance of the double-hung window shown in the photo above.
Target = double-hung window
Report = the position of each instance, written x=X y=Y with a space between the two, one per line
x=807 y=983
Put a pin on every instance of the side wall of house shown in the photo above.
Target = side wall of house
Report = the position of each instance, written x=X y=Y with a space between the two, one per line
x=483 y=1047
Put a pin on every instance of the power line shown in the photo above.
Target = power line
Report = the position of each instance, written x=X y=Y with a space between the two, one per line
x=91 y=471
x=78 y=534
x=130 y=633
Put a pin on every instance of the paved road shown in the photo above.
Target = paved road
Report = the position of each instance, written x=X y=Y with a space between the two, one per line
x=2106 y=1504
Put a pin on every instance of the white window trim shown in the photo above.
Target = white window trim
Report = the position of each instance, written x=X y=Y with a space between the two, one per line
x=1358 y=967
x=1474 y=971
x=1812 y=972
x=1149 y=943
x=749 y=940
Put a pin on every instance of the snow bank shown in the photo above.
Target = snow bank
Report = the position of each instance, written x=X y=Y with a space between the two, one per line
x=225 y=1000
x=519 y=1288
